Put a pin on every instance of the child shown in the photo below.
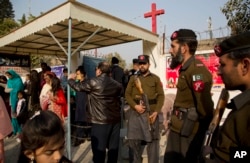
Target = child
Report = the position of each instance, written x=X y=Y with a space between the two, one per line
x=21 y=113
x=43 y=139
x=22 y=110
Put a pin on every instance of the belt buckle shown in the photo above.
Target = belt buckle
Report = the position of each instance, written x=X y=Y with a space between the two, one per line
x=178 y=114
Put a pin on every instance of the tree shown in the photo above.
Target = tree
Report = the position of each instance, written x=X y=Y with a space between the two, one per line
x=23 y=20
x=6 y=10
x=237 y=13
x=7 y=25
x=31 y=17
x=122 y=62
x=7 y=22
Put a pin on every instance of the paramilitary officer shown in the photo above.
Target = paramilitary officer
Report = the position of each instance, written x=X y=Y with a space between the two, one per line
x=234 y=69
x=142 y=129
x=135 y=68
x=193 y=106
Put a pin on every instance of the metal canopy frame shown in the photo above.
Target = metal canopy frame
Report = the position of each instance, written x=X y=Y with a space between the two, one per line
x=105 y=30
x=75 y=27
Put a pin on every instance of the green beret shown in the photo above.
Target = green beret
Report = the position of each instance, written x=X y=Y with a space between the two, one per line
x=184 y=34
x=234 y=43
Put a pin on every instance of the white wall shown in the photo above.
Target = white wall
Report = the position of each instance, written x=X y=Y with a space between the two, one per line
x=157 y=60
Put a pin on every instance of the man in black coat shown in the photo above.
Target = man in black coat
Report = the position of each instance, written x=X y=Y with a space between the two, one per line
x=104 y=112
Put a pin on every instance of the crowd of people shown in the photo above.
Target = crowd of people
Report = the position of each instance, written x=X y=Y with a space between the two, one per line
x=34 y=111
x=22 y=99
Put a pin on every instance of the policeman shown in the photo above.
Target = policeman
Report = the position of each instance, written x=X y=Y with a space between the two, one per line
x=234 y=69
x=133 y=71
x=135 y=68
x=193 y=105
x=144 y=130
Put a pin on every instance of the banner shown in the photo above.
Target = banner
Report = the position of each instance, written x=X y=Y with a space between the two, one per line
x=19 y=63
x=210 y=60
x=14 y=60
x=58 y=70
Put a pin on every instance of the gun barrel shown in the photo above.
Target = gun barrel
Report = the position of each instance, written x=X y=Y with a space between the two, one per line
x=219 y=110
x=146 y=104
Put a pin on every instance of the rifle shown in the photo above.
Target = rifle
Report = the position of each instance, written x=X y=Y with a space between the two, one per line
x=219 y=110
x=144 y=99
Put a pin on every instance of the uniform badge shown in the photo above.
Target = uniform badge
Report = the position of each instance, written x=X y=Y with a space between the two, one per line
x=197 y=77
x=198 y=83
x=198 y=86
x=217 y=50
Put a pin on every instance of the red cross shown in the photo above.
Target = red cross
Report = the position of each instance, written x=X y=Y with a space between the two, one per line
x=153 y=14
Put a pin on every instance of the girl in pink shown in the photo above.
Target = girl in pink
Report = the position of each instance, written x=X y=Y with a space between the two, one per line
x=57 y=100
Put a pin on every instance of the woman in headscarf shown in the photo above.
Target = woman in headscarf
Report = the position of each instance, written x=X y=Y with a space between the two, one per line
x=44 y=98
x=14 y=84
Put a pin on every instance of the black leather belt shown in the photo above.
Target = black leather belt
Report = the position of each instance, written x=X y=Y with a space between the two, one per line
x=150 y=101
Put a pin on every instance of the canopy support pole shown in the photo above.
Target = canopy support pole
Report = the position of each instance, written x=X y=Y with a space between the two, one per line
x=85 y=41
x=59 y=44
x=68 y=131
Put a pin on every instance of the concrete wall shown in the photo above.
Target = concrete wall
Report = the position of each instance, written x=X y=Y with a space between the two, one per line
x=157 y=60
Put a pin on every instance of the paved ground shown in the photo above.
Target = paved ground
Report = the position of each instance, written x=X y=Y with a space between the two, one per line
x=80 y=154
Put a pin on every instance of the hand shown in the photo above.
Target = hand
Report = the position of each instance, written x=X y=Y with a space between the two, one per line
x=72 y=76
x=152 y=117
x=140 y=108
x=13 y=114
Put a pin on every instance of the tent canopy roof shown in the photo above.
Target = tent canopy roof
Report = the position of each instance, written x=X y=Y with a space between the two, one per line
x=91 y=29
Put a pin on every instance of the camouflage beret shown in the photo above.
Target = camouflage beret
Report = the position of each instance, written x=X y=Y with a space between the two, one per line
x=185 y=34
x=234 y=43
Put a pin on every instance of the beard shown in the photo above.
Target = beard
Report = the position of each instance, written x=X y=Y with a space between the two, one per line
x=176 y=60
x=143 y=71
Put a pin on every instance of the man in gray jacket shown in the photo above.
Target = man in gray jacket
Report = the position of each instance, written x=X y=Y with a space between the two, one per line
x=104 y=112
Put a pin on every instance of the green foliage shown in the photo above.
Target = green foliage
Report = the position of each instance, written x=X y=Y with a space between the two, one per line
x=7 y=22
x=35 y=61
x=6 y=10
x=23 y=20
x=122 y=62
x=50 y=60
x=31 y=17
x=237 y=13
x=7 y=25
